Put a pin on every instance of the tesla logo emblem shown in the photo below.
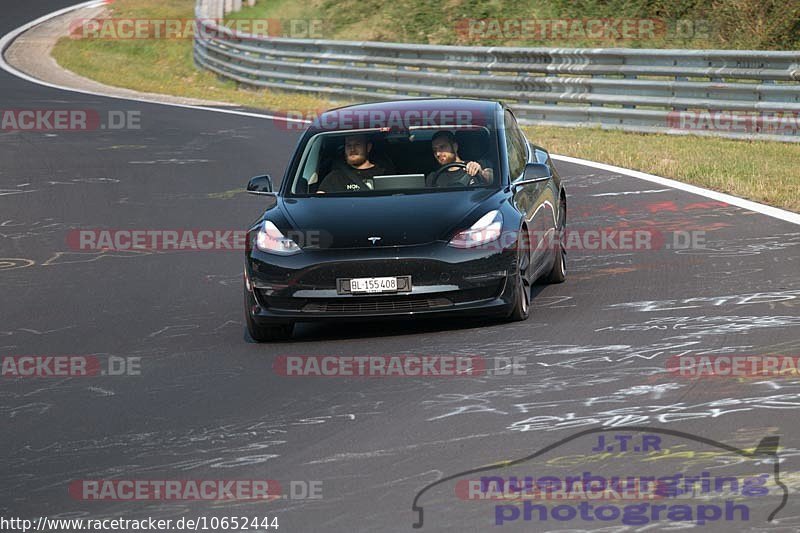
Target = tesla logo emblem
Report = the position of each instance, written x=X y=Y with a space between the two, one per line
x=374 y=240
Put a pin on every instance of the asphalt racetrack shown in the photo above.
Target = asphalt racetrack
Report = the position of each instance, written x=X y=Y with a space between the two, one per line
x=208 y=405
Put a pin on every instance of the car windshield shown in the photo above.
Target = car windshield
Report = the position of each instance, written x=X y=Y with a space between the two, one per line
x=382 y=161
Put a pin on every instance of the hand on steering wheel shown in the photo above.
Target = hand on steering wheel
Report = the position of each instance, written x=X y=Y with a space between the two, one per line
x=443 y=168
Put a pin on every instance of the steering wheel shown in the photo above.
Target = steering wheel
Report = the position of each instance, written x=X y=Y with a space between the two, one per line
x=438 y=174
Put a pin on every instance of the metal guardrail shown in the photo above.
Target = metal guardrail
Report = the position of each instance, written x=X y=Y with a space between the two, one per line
x=727 y=93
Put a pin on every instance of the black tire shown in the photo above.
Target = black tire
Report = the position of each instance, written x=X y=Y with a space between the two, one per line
x=259 y=333
x=559 y=271
x=522 y=292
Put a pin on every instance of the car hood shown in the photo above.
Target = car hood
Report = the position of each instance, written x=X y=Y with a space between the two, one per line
x=399 y=220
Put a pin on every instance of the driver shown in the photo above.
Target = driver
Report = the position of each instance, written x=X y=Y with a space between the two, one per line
x=445 y=150
x=357 y=173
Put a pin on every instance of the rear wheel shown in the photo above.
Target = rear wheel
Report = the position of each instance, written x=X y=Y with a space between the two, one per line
x=264 y=333
x=522 y=291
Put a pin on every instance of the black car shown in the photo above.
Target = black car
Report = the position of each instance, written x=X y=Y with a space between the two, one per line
x=370 y=221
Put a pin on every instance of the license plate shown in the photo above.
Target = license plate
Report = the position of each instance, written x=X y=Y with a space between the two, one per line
x=371 y=285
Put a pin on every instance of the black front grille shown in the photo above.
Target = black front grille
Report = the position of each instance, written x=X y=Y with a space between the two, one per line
x=376 y=305
x=379 y=304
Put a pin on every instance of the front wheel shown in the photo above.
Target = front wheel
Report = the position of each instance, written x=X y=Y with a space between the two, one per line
x=259 y=333
x=522 y=291
x=559 y=271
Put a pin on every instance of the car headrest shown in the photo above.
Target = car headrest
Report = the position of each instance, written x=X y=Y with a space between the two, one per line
x=472 y=144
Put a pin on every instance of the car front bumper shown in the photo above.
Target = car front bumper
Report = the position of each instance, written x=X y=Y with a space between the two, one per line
x=444 y=281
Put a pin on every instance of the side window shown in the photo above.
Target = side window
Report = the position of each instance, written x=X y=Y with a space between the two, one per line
x=309 y=175
x=515 y=146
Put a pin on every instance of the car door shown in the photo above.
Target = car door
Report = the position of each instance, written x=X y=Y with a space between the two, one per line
x=548 y=196
x=533 y=200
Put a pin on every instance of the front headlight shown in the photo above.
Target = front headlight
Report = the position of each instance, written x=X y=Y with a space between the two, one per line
x=270 y=239
x=485 y=230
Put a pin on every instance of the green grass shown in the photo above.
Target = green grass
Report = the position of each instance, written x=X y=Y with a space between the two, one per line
x=165 y=66
x=760 y=171
x=734 y=24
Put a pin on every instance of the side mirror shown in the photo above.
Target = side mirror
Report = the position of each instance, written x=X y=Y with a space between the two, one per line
x=533 y=173
x=536 y=172
x=260 y=185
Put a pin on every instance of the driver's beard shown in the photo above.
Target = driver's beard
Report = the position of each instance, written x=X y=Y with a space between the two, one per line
x=356 y=160
x=448 y=160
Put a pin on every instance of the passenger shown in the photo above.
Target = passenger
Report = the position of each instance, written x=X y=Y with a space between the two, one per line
x=357 y=173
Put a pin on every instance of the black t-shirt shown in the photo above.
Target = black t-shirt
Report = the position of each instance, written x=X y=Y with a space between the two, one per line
x=345 y=178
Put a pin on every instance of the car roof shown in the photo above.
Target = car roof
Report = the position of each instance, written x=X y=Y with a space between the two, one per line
x=429 y=111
